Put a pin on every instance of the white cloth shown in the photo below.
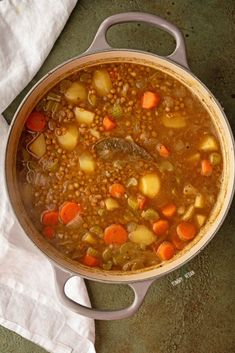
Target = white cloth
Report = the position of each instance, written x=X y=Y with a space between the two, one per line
x=28 y=302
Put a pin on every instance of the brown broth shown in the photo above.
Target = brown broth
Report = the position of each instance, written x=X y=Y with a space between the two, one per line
x=56 y=169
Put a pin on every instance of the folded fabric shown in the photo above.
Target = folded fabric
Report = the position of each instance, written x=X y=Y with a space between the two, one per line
x=28 y=301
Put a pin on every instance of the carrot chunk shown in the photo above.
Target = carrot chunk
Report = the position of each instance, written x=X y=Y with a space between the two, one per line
x=178 y=244
x=169 y=210
x=117 y=190
x=150 y=100
x=115 y=234
x=163 y=151
x=36 y=122
x=165 y=250
x=50 y=218
x=206 y=167
x=160 y=227
x=48 y=232
x=69 y=211
x=142 y=201
x=186 y=231
x=91 y=261
x=108 y=123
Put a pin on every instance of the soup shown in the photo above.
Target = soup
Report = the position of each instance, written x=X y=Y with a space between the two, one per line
x=119 y=166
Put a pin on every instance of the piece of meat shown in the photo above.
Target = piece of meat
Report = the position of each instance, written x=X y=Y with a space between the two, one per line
x=112 y=147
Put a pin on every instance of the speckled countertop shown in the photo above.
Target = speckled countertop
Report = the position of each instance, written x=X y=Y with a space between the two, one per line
x=197 y=315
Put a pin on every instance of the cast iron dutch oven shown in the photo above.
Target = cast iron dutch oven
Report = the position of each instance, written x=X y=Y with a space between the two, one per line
x=174 y=65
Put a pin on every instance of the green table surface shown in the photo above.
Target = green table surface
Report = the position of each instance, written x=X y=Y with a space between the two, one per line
x=198 y=314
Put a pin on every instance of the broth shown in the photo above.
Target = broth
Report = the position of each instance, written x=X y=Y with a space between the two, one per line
x=119 y=166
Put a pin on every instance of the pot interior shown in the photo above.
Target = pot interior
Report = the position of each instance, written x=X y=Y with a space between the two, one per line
x=193 y=84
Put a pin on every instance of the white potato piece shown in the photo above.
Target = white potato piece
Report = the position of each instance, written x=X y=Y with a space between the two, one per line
x=142 y=235
x=95 y=133
x=176 y=121
x=199 y=201
x=189 y=213
x=208 y=144
x=102 y=82
x=69 y=140
x=149 y=185
x=38 y=146
x=87 y=163
x=83 y=116
x=76 y=92
x=111 y=204
x=200 y=220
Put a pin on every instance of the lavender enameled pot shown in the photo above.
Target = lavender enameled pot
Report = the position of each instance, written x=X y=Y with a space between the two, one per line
x=174 y=65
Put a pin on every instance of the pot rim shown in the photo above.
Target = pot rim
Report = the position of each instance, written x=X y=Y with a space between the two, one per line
x=165 y=268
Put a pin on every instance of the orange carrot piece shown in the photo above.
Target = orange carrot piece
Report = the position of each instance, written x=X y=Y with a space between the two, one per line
x=150 y=100
x=115 y=234
x=109 y=123
x=36 y=122
x=91 y=261
x=206 y=167
x=165 y=251
x=50 y=218
x=169 y=210
x=142 y=201
x=163 y=151
x=48 y=232
x=178 y=244
x=160 y=227
x=117 y=190
x=186 y=231
x=69 y=211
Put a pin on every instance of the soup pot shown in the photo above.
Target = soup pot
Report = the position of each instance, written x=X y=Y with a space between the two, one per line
x=175 y=65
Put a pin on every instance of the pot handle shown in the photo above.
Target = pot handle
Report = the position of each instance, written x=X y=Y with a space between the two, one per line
x=139 y=288
x=100 y=42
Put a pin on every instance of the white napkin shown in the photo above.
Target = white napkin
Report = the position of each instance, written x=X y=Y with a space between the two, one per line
x=28 y=302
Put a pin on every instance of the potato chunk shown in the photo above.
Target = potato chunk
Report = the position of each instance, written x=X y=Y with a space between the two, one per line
x=149 y=185
x=177 y=121
x=38 y=146
x=142 y=235
x=208 y=144
x=199 y=201
x=200 y=220
x=102 y=82
x=83 y=116
x=111 y=204
x=87 y=163
x=76 y=92
x=189 y=213
x=69 y=139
